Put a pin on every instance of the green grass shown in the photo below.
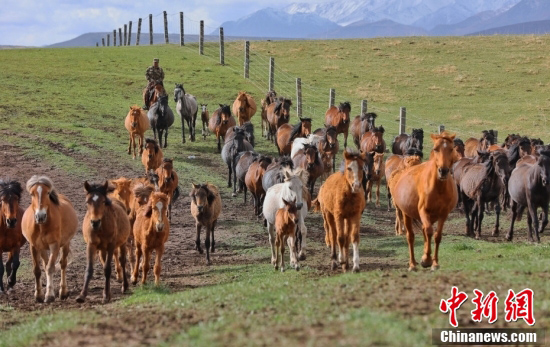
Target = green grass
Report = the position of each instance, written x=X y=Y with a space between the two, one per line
x=67 y=106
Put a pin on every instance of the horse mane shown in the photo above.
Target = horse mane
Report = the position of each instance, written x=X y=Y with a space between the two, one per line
x=418 y=133
x=368 y=115
x=285 y=161
x=413 y=152
x=412 y=160
x=295 y=131
x=45 y=180
x=10 y=188
x=513 y=153
x=379 y=129
x=354 y=153
x=317 y=154
x=154 y=142
x=524 y=141
x=458 y=142
x=142 y=190
x=489 y=170
x=343 y=106
x=99 y=188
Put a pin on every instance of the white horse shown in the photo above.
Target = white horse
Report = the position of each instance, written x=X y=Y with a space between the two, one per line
x=290 y=189
x=187 y=107
x=298 y=143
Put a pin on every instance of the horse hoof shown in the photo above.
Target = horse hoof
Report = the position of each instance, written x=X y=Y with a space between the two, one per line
x=208 y=262
x=508 y=238
x=297 y=267
x=234 y=194
x=302 y=256
x=39 y=299
x=478 y=237
x=200 y=250
x=80 y=299
x=435 y=267
x=412 y=268
x=276 y=267
x=356 y=269
x=426 y=264
x=106 y=300
x=63 y=296
x=282 y=269
x=50 y=298
x=334 y=266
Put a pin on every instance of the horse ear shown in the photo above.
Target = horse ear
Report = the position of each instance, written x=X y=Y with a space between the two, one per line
x=221 y=105
x=287 y=174
x=434 y=137
x=149 y=211
x=381 y=129
x=347 y=155
x=286 y=202
x=87 y=186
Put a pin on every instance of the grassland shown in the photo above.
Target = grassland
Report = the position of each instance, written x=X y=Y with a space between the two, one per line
x=65 y=108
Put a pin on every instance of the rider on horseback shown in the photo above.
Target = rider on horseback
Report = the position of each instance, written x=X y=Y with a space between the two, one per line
x=155 y=75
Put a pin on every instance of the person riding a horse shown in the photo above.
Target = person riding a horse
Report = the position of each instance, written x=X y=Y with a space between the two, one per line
x=154 y=75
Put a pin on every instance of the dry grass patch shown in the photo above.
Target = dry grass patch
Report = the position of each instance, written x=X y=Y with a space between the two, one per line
x=445 y=69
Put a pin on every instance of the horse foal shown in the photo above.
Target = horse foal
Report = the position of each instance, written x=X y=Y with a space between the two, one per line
x=285 y=226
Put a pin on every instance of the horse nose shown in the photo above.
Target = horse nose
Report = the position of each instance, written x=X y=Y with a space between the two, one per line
x=443 y=171
x=95 y=223
x=40 y=217
x=200 y=208
x=378 y=147
x=299 y=206
x=11 y=222
x=377 y=172
x=310 y=166
x=160 y=226
x=544 y=182
x=134 y=124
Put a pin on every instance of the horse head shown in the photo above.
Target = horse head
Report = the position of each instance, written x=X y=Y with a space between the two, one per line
x=543 y=162
x=10 y=196
x=377 y=138
x=96 y=202
x=242 y=102
x=312 y=155
x=270 y=97
x=179 y=92
x=123 y=191
x=151 y=147
x=345 y=108
x=487 y=139
x=524 y=146
x=156 y=210
x=502 y=166
x=202 y=196
x=162 y=107
x=353 y=169
x=459 y=147
x=443 y=154
x=331 y=136
x=378 y=164
x=292 y=210
x=135 y=115
x=293 y=182
x=166 y=171
x=417 y=138
x=43 y=195
x=534 y=143
x=367 y=121
x=142 y=193
x=283 y=109
x=225 y=113
x=305 y=126
x=203 y=108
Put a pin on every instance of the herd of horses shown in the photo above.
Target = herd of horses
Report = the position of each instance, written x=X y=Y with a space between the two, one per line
x=127 y=219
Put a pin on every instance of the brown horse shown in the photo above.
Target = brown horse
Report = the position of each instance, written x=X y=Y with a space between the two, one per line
x=373 y=141
x=278 y=113
x=270 y=98
x=309 y=159
x=341 y=200
x=11 y=236
x=287 y=133
x=376 y=177
x=206 y=206
x=472 y=145
x=151 y=231
x=253 y=181
x=459 y=148
x=136 y=123
x=48 y=224
x=244 y=107
x=395 y=162
x=285 y=227
x=105 y=227
x=204 y=119
x=328 y=146
x=339 y=117
x=426 y=193
x=221 y=120
x=360 y=125
x=168 y=182
x=152 y=96
x=152 y=156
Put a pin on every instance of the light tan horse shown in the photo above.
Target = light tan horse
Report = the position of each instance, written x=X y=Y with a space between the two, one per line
x=49 y=224
x=136 y=123
x=426 y=194
x=244 y=107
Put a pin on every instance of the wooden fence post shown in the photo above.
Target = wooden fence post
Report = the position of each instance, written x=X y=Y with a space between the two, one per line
x=129 y=33
x=402 y=120
x=332 y=96
x=201 y=38
x=441 y=128
x=165 y=27
x=125 y=35
x=114 y=38
x=181 y=30
x=138 y=32
x=222 y=53
x=299 y=97
x=150 y=29
x=108 y=40
x=246 y=59
x=271 y=73
x=103 y=41
x=120 y=37
x=97 y=44
x=363 y=107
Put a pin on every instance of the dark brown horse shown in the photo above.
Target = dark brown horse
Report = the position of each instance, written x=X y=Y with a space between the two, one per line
x=404 y=142
x=11 y=236
x=270 y=98
x=278 y=113
x=373 y=141
x=339 y=117
x=287 y=133
x=253 y=181
x=529 y=187
x=328 y=146
x=459 y=148
x=360 y=125
x=205 y=116
x=309 y=159
x=219 y=123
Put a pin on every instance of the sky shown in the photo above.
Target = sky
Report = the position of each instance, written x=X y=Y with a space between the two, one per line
x=44 y=22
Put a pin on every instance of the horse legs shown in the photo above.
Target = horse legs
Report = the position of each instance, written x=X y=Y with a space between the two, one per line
x=140 y=144
x=530 y=225
x=410 y=241
x=39 y=297
x=12 y=266
x=272 y=239
x=354 y=230
x=63 y=290
x=330 y=237
x=166 y=138
x=146 y=261
x=497 y=223
x=389 y=196
x=1 y=274
x=341 y=238
x=207 y=243
x=50 y=271
x=467 y=211
x=545 y=218
x=198 y=237
x=481 y=210
x=90 y=255
x=138 y=253
x=234 y=173
x=534 y=218
x=378 y=183
x=427 y=231
x=213 y=242
x=130 y=145
x=229 y=172
x=278 y=244
x=182 y=130
x=514 y=207
x=368 y=191
x=437 y=241
x=303 y=232
x=158 y=264
x=122 y=260
x=346 y=138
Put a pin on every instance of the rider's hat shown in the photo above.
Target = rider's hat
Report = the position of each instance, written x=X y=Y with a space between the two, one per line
x=156 y=60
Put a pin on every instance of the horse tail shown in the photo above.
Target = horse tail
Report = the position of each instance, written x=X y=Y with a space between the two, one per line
x=316 y=205
x=176 y=194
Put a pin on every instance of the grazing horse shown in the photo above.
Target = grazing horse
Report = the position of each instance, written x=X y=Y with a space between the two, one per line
x=244 y=107
x=472 y=145
x=401 y=143
x=253 y=181
x=161 y=118
x=248 y=129
x=278 y=113
x=341 y=200
x=219 y=123
x=529 y=186
x=339 y=117
x=152 y=156
x=152 y=96
x=291 y=189
x=285 y=227
x=105 y=228
x=168 y=183
x=187 y=108
x=136 y=123
x=229 y=156
x=206 y=205
x=48 y=224
x=11 y=236
x=309 y=160
x=426 y=193
x=151 y=231
x=204 y=119
x=287 y=133
x=360 y=125
x=481 y=183
x=376 y=177
x=373 y=141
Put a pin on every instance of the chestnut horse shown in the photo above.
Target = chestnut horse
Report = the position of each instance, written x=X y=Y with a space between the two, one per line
x=360 y=125
x=399 y=162
x=219 y=123
x=287 y=133
x=328 y=146
x=376 y=177
x=278 y=113
x=339 y=117
x=459 y=148
x=168 y=183
x=204 y=119
x=373 y=141
x=472 y=145
x=136 y=123
x=152 y=156
x=48 y=224
x=341 y=200
x=285 y=227
x=11 y=236
x=253 y=181
x=426 y=193
x=244 y=107
x=105 y=227
x=157 y=91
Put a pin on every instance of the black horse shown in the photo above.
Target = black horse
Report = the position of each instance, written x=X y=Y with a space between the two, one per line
x=161 y=118
x=403 y=142
x=229 y=155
